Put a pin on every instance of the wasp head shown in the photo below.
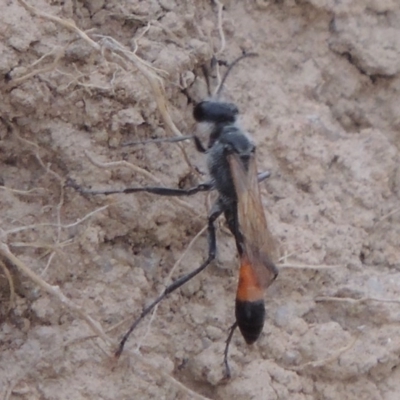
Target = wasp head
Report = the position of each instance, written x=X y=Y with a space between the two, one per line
x=215 y=112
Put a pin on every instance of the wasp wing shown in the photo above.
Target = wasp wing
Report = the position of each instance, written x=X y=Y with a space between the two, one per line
x=258 y=246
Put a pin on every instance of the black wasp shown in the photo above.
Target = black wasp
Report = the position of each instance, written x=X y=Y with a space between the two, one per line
x=233 y=171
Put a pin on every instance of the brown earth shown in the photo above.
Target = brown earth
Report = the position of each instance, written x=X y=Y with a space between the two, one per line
x=322 y=104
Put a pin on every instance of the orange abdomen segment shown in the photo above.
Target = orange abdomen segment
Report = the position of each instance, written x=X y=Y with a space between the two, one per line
x=250 y=308
x=249 y=288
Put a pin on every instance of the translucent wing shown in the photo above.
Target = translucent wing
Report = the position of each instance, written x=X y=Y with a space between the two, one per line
x=258 y=243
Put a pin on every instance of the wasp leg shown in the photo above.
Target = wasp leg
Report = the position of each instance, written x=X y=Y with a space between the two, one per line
x=228 y=341
x=212 y=248
x=158 y=140
x=162 y=191
x=199 y=146
x=262 y=176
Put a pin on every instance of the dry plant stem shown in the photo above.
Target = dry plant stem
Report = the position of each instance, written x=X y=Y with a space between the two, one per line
x=286 y=255
x=58 y=55
x=135 y=40
x=219 y=80
x=351 y=300
x=41 y=245
x=117 y=325
x=386 y=217
x=55 y=292
x=126 y=164
x=168 y=280
x=35 y=226
x=305 y=266
x=220 y=27
x=120 y=52
x=328 y=360
x=143 y=172
x=31 y=192
x=10 y=284
x=48 y=263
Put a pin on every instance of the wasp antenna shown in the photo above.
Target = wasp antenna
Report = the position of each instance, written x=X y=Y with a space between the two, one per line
x=207 y=79
x=160 y=140
x=233 y=63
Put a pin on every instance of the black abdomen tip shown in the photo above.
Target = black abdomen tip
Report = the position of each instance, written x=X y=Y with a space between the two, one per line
x=250 y=316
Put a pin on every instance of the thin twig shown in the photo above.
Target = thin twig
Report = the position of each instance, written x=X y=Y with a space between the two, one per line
x=352 y=300
x=219 y=81
x=387 y=216
x=63 y=226
x=50 y=259
x=306 y=266
x=123 y=163
x=220 y=27
x=30 y=192
x=41 y=245
x=135 y=39
x=286 y=255
x=59 y=54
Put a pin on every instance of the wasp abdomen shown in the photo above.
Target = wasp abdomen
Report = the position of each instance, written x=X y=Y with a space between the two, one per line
x=250 y=308
x=250 y=316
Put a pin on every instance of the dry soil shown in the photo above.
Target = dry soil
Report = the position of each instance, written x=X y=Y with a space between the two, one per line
x=322 y=104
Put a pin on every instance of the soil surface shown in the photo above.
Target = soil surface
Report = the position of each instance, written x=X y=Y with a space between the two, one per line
x=82 y=77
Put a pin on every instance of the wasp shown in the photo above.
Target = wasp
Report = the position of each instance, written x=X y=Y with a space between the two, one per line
x=231 y=161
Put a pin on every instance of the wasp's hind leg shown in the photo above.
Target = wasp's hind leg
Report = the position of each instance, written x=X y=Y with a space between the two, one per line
x=159 y=190
x=212 y=249
x=262 y=176
x=228 y=341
